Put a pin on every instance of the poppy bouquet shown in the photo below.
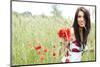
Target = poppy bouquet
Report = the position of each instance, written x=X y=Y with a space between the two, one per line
x=64 y=33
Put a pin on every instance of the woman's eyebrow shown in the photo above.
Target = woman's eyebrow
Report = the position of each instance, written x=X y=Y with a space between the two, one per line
x=79 y=15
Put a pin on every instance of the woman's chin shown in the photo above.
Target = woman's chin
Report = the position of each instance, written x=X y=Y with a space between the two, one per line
x=81 y=26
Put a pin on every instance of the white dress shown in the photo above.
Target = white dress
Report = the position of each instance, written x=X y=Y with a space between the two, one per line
x=74 y=53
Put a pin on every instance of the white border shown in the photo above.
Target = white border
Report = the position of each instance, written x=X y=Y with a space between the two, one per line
x=5 y=33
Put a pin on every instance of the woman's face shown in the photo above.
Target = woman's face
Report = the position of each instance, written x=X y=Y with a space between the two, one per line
x=80 y=19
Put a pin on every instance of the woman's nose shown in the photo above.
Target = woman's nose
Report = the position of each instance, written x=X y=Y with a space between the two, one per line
x=82 y=19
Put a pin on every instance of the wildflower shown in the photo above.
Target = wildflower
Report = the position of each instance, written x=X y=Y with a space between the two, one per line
x=42 y=57
x=45 y=50
x=68 y=34
x=38 y=47
x=64 y=34
x=54 y=54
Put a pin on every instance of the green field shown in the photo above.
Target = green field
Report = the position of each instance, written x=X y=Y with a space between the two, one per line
x=29 y=31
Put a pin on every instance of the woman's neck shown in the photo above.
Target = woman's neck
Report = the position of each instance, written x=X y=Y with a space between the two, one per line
x=81 y=34
x=80 y=28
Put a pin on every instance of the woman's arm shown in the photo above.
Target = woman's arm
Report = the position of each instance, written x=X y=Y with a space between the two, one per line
x=72 y=34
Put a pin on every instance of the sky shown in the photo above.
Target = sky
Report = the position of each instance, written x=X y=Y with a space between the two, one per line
x=68 y=11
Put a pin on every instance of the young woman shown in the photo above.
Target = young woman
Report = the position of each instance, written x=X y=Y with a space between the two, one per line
x=79 y=34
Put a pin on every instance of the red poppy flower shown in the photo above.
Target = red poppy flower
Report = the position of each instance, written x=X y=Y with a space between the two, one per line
x=38 y=47
x=42 y=57
x=45 y=50
x=68 y=34
x=64 y=33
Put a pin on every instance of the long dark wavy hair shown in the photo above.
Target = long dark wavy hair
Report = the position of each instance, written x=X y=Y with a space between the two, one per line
x=86 y=29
